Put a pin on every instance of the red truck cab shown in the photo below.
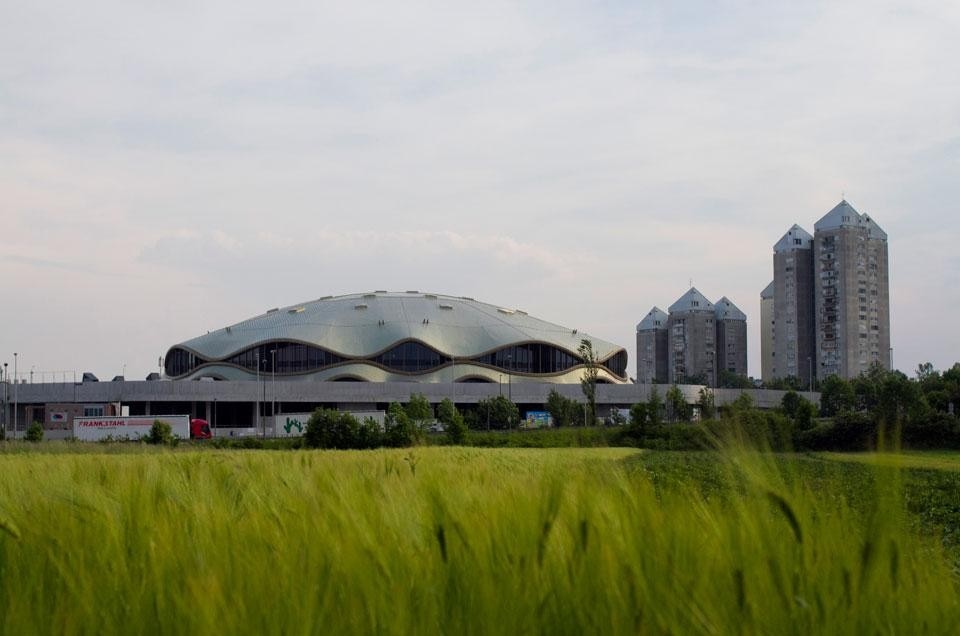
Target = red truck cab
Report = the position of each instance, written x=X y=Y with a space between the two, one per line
x=200 y=429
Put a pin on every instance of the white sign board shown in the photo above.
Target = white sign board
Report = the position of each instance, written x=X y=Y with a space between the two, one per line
x=291 y=424
x=94 y=429
x=295 y=424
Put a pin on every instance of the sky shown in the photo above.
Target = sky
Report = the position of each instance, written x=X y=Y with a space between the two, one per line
x=172 y=168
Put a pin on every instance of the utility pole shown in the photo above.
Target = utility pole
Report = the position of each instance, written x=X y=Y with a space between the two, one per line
x=4 y=380
x=273 y=381
x=15 y=393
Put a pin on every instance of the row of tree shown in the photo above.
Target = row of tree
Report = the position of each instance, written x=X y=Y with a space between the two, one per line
x=404 y=425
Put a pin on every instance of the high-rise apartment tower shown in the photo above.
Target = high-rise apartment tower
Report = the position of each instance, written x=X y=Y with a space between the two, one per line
x=731 y=338
x=652 y=343
x=852 y=292
x=766 y=333
x=793 y=306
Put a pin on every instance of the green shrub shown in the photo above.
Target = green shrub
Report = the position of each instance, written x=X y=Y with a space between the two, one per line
x=400 y=431
x=496 y=413
x=160 y=433
x=34 y=433
x=563 y=410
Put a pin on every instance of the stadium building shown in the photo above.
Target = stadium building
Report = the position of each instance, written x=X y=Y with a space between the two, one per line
x=394 y=337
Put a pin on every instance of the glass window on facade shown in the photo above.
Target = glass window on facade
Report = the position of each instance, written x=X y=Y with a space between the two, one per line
x=411 y=357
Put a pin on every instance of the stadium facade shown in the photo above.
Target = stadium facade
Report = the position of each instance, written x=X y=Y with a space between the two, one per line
x=394 y=337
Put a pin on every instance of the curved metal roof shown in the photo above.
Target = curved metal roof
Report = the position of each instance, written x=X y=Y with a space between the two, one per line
x=362 y=325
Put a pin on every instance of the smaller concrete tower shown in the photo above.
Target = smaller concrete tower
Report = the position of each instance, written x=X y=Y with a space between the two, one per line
x=652 y=343
x=731 y=338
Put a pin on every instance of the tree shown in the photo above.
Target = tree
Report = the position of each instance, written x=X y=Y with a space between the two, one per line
x=446 y=411
x=448 y=414
x=563 y=410
x=677 y=404
x=655 y=407
x=160 y=433
x=836 y=396
x=588 y=382
x=741 y=407
x=799 y=409
x=731 y=380
x=790 y=403
x=788 y=383
x=329 y=428
x=418 y=409
x=638 y=419
x=34 y=433
x=400 y=429
x=805 y=413
x=369 y=434
x=925 y=371
x=707 y=404
x=498 y=412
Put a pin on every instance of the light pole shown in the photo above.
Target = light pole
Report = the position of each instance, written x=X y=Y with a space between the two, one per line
x=256 y=416
x=123 y=379
x=273 y=382
x=4 y=382
x=15 y=401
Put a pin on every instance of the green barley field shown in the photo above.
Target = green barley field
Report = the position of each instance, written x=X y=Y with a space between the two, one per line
x=460 y=541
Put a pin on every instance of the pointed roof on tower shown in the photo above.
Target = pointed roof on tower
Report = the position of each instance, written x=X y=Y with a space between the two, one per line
x=796 y=238
x=656 y=318
x=693 y=300
x=842 y=215
x=726 y=310
x=767 y=291
x=872 y=228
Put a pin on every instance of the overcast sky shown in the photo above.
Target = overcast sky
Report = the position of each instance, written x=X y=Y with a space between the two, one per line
x=167 y=169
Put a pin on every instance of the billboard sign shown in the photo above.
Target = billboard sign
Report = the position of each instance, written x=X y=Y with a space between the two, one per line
x=538 y=419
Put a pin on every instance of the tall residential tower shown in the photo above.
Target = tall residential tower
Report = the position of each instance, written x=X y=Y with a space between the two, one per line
x=766 y=333
x=852 y=290
x=793 y=306
x=652 y=344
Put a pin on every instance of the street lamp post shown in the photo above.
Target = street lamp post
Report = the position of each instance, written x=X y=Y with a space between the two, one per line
x=256 y=416
x=15 y=393
x=273 y=382
x=5 y=382
x=510 y=377
x=123 y=380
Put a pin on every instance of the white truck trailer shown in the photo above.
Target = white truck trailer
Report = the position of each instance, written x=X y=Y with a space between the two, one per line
x=95 y=429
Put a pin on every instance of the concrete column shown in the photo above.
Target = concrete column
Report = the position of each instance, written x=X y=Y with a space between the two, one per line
x=146 y=408
x=209 y=411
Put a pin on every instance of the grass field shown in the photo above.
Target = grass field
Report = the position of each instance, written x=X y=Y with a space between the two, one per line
x=458 y=540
